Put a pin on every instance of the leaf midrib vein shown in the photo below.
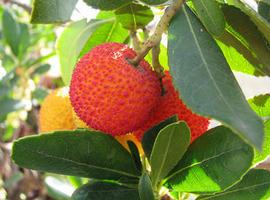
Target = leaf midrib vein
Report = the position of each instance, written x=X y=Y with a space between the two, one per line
x=239 y=189
x=206 y=66
x=203 y=161
x=108 y=190
x=82 y=164
x=165 y=155
x=207 y=12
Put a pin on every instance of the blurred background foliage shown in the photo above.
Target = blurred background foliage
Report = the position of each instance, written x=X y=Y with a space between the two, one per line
x=27 y=55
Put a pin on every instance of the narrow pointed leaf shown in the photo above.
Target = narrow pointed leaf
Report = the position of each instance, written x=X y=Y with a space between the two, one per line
x=205 y=81
x=211 y=15
x=52 y=11
x=24 y=40
x=71 y=42
x=212 y=163
x=150 y=136
x=146 y=188
x=80 y=153
x=105 y=191
x=169 y=147
x=254 y=185
x=260 y=21
x=11 y=31
x=243 y=37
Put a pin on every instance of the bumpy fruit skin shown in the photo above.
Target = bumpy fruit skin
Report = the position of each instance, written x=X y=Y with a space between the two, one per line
x=111 y=95
x=170 y=104
x=56 y=112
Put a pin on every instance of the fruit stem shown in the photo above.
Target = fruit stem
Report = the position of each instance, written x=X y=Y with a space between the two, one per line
x=155 y=61
x=135 y=41
x=162 y=26
x=157 y=66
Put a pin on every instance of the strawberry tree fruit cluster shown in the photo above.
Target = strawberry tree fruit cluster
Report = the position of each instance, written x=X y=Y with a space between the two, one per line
x=143 y=128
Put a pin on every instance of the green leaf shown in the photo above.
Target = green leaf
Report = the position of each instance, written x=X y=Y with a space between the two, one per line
x=76 y=181
x=41 y=69
x=11 y=31
x=16 y=34
x=52 y=11
x=8 y=62
x=8 y=133
x=260 y=22
x=242 y=37
x=107 y=4
x=254 y=185
x=81 y=153
x=135 y=154
x=7 y=83
x=145 y=188
x=264 y=9
x=39 y=60
x=150 y=136
x=109 y=32
x=261 y=105
x=205 y=81
x=40 y=94
x=154 y=2
x=105 y=191
x=169 y=147
x=261 y=156
x=211 y=15
x=8 y=105
x=71 y=43
x=237 y=55
x=212 y=163
x=24 y=40
x=134 y=16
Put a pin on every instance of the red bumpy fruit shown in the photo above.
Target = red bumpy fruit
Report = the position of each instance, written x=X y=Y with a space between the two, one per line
x=110 y=94
x=170 y=104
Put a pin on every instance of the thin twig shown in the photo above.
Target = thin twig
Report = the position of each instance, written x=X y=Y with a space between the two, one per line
x=160 y=29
